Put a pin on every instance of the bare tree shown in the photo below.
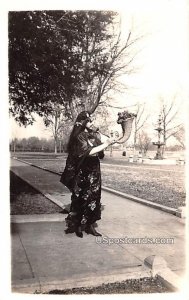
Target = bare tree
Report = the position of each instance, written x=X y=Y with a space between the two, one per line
x=104 y=63
x=170 y=125
x=139 y=121
x=118 y=63
x=103 y=119
x=180 y=136
x=56 y=123
x=144 y=141
x=14 y=143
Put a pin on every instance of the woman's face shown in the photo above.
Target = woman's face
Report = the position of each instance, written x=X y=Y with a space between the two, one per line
x=89 y=124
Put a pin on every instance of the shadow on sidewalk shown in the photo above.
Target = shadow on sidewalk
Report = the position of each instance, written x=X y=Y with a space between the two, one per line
x=19 y=186
x=26 y=200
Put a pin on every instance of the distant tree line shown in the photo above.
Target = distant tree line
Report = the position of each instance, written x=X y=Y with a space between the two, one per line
x=35 y=144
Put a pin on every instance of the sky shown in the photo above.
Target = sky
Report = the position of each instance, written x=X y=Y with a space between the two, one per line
x=162 y=60
x=163 y=65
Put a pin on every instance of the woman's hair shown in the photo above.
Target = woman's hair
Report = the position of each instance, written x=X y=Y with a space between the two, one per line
x=82 y=119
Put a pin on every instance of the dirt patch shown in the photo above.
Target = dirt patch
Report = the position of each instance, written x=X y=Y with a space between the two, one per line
x=133 y=286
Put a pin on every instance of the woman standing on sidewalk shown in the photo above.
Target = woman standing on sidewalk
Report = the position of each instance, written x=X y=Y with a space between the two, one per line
x=83 y=177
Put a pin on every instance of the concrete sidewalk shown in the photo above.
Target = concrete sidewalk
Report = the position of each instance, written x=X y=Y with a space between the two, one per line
x=45 y=258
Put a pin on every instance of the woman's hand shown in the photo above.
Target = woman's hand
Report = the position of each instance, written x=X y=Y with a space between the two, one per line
x=111 y=140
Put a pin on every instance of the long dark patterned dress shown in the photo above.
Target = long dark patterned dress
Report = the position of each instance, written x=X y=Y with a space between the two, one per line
x=86 y=193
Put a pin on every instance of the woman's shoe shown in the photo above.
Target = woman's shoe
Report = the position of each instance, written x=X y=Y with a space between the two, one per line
x=91 y=230
x=79 y=232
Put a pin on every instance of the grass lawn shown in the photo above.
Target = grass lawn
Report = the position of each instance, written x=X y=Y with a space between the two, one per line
x=161 y=184
x=163 y=187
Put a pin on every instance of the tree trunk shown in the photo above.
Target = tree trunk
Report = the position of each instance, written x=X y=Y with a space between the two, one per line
x=60 y=146
x=14 y=146
x=134 y=144
x=163 y=150
x=111 y=151
x=135 y=137
x=55 y=145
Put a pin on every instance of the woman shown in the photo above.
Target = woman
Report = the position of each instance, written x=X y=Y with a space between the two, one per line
x=84 y=149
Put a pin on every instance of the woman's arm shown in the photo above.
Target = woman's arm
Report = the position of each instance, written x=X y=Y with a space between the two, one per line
x=102 y=146
x=103 y=137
